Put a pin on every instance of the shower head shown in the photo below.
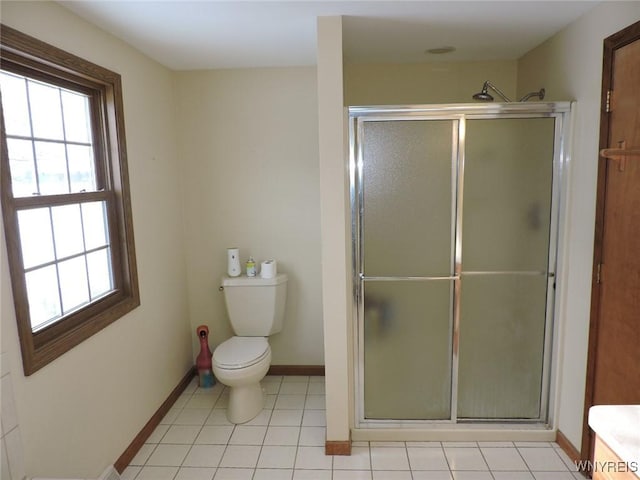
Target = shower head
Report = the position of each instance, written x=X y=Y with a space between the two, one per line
x=485 y=96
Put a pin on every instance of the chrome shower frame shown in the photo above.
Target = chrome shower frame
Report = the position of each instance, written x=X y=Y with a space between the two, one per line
x=459 y=113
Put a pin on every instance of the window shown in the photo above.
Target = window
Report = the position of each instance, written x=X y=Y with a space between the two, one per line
x=65 y=197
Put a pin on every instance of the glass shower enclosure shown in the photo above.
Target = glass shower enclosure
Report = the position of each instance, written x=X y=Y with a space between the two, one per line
x=454 y=220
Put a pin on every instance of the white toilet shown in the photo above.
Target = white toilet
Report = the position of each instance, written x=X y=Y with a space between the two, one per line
x=256 y=309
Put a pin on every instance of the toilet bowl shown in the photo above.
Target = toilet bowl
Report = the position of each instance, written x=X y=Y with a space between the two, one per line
x=256 y=311
x=240 y=363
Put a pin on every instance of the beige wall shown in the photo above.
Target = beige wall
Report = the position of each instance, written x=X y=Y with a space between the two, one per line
x=419 y=83
x=11 y=449
x=249 y=151
x=79 y=413
x=336 y=236
x=569 y=66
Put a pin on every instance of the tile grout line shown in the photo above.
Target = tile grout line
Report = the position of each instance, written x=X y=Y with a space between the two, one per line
x=524 y=460
x=255 y=470
x=484 y=459
x=295 y=458
x=446 y=459
x=146 y=462
x=217 y=399
x=370 y=460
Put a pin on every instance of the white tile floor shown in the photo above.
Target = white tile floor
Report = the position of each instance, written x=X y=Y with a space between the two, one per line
x=286 y=442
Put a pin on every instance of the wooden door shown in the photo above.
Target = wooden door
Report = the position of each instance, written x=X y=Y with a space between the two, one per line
x=613 y=370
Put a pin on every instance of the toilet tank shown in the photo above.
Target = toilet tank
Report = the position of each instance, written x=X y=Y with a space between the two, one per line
x=255 y=305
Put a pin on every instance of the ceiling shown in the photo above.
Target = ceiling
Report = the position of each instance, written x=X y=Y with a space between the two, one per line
x=210 y=34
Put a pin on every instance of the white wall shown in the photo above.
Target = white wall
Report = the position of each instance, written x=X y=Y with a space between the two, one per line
x=569 y=66
x=249 y=150
x=79 y=413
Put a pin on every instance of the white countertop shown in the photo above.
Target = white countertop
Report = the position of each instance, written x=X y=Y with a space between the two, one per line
x=619 y=427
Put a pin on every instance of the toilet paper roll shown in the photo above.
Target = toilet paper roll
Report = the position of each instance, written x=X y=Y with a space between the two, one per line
x=268 y=269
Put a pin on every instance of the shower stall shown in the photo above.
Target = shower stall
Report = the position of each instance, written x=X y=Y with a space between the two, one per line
x=454 y=228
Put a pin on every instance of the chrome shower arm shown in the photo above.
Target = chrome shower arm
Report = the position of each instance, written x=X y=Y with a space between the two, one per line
x=539 y=94
x=495 y=89
x=485 y=96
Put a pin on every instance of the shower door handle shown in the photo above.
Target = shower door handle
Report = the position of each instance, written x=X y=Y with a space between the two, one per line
x=407 y=279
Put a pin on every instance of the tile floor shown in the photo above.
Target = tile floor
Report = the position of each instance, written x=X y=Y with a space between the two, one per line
x=286 y=442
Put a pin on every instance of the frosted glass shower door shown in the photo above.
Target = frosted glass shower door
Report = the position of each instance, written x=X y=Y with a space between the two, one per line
x=406 y=193
x=505 y=256
x=455 y=222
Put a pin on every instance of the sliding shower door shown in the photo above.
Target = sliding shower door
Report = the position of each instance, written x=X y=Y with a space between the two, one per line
x=505 y=256
x=454 y=252
x=406 y=194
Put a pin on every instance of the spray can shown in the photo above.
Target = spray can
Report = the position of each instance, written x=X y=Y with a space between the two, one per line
x=203 y=361
x=251 y=267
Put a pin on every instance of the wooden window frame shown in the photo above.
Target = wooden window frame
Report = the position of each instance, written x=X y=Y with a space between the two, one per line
x=31 y=57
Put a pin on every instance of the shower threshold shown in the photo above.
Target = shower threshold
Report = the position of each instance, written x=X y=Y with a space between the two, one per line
x=483 y=432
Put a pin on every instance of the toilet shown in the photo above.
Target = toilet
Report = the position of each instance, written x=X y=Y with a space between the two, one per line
x=256 y=310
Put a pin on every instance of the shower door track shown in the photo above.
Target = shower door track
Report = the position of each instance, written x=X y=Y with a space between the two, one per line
x=458 y=113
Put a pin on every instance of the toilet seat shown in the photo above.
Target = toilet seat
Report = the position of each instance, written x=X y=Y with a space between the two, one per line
x=241 y=352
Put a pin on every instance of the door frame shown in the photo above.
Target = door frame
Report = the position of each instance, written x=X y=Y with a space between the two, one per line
x=611 y=44
x=462 y=112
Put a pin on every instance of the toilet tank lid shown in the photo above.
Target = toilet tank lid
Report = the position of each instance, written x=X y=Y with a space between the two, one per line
x=256 y=281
